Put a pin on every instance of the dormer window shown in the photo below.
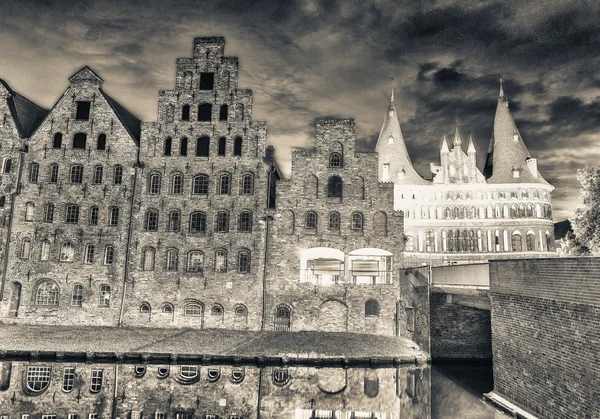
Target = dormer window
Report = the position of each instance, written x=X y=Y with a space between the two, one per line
x=386 y=171
x=516 y=173
x=391 y=139
x=402 y=174
x=83 y=111
x=515 y=135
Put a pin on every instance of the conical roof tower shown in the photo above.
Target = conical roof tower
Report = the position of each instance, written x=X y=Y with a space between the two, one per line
x=392 y=152
x=508 y=159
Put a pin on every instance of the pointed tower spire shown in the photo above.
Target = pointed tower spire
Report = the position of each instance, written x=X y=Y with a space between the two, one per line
x=457 y=142
x=471 y=148
x=394 y=162
x=501 y=94
x=444 y=144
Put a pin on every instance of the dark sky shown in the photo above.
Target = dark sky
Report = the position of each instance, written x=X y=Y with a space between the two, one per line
x=309 y=58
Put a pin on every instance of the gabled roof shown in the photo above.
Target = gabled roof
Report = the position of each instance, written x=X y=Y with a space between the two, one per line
x=86 y=74
x=26 y=114
x=131 y=122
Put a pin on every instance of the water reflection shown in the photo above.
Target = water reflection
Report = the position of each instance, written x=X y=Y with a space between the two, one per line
x=87 y=390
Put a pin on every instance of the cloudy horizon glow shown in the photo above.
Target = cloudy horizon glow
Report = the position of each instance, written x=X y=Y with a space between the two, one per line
x=306 y=58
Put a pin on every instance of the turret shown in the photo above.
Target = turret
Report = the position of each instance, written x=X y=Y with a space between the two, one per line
x=394 y=161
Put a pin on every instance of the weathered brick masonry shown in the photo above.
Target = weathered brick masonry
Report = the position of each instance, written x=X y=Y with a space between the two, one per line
x=546 y=335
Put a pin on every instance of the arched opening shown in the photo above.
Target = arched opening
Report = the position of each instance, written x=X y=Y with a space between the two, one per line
x=371 y=308
x=101 y=144
x=237 y=146
x=57 y=143
x=222 y=149
x=282 y=319
x=177 y=184
x=183 y=146
x=167 y=147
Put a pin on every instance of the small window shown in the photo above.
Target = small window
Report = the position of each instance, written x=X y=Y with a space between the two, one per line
x=357 y=221
x=90 y=251
x=93 y=216
x=154 y=184
x=145 y=309
x=98 y=172
x=213 y=374
x=38 y=378
x=335 y=160
x=101 y=144
x=177 y=184
x=118 y=179
x=67 y=252
x=68 y=379
x=192 y=310
x=174 y=221
x=221 y=261
x=172 y=260
x=311 y=220
x=244 y=262
x=34 y=172
x=185 y=113
x=54 y=173
x=25 y=248
x=45 y=253
x=7 y=166
x=371 y=308
x=183 y=146
x=237 y=376
x=334 y=221
x=77 y=174
x=57 y=142
x=222 y=146
x=96 y=381
x=248 y=184
x=222 y=222
x=195 y=261
x=151 y=221
x=200 y=185
x=371 y=387
x=113 y=217
x=148 y=259
x=202 y=146
x=49 y=213
x=280 y=376
x=83 y=110
x=167 y=146
x=188 y=371
x=237 y=146
x=205 y=112
x=224 y=185
x=104 y=300
x=223 y=113
x=47 y=294
x=334 y=187
x=163 y=372
x=241 y=311
x=79 y=141
x=245 y=222
x=29 y=207
x=77 y=295
x=207 y=81
x=109 y=254
x=2 y=201
x=197 y=222
x=72 y=214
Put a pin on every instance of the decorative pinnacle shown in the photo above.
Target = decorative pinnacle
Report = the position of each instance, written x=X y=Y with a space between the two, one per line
x=456 y=121
x=392 y=84
x=501 y=94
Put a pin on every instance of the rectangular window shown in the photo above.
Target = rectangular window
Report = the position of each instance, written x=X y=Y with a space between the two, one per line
x=34 y=173
x=48 y=416
x=96 y=381
x=93 y=416
x=94 y=216
x=24 y=416
x=77 y=174
x=118 y=179
x=386 y=171
x=29 y=211
x=72 y=216
x=136 y=415
x=109 y=254
x=49 y=213
x=171 y=260
x=72 y=416
x=68 y=379
x=225 y=184
x=54 y=173
x=160 y=415
x=114 y=217
x=207 y=81
x=98 y=172
x=83 y=110
x=89 y=254
x=77 y=297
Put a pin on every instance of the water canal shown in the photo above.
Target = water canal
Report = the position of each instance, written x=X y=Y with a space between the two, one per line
x=66 y=390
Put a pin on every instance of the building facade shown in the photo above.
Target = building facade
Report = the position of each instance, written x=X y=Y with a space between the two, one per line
x=464 y=215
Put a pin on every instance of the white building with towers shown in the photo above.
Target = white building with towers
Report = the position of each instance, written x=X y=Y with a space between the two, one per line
x=464 y=215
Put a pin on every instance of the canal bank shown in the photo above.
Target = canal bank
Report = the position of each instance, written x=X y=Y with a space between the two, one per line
x=132 y=345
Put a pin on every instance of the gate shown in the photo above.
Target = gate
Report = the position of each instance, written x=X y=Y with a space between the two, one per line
x=282 y=319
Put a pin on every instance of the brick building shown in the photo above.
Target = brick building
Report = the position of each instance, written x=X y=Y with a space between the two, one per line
x=462 y=214
x=205 y=182
x=70 y=227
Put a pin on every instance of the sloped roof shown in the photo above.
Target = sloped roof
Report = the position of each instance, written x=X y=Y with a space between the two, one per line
x=86 y=74
x=131 y=122
x=26 y=114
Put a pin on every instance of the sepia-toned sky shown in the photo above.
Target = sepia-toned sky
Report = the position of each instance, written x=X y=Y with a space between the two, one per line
x=309 y=58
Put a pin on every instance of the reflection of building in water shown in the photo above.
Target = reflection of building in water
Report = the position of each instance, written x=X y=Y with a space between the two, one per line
x=96 y=391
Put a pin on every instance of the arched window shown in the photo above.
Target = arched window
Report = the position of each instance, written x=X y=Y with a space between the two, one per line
x=54 y=173
x=506 y=211
x=451 y=243
x=237 y=146
x=204 y=112
x=409 y=244
x=29 y=207
x=38 y=378
x=310 y=220
x=195 y=262
x=530 y=242
x=174 y=220
x=282 y=318
x=187 y=80
x=118 y=176
x=77 y=295
x=104 y=297
x=334 y=187
x=101 y=144
x=224 y=185
x=148 y=259
x=113 y=216
x=247 y=184
x=202 y=146
x=172 y=260
x=98 y=173
x=222 y=222
x=517 y=245
x=6 y=165
x=448 y=214
x=45 y=253
x=183 y=146
x=514 y=211
x=154 y=184
x=334 y=221
x=47 y=294
x=193 y=310
x=371 y=308
x=245 y=222
x=280 y=376
x=456 y=213
x=548 y=242
x=93 y=216
x=185 y=113
x=25 y=248
x=34 y=172
x=444 y=241
x=335 y=160
x=240 y=311
x=57 y=143
x=357 y=221
x=77 y=173
x=197 y=222
x=167 y=308
x=151 y=220
x=244 y=262
x=223 y=113
x=200 y=185
x=177 y=184
x=67 y=252
x=167 y=146
x=79 y=140
x=145 y=308
x=522 y=213
x=222 y=149
x=221 y=260
x=109 y=255
x=89 y=254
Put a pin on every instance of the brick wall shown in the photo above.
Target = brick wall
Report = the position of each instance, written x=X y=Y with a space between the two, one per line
x=545 y=323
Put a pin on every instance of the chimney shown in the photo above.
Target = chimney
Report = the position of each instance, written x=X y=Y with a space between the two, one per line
x=270 y=154
x=532 y=166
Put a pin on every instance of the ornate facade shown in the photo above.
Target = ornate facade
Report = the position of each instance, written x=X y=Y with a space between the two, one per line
x=462 y=214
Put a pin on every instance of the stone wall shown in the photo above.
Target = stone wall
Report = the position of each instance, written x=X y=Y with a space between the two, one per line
x=545 y=322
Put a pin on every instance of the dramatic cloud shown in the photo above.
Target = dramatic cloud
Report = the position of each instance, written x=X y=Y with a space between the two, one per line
x=307 y=58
